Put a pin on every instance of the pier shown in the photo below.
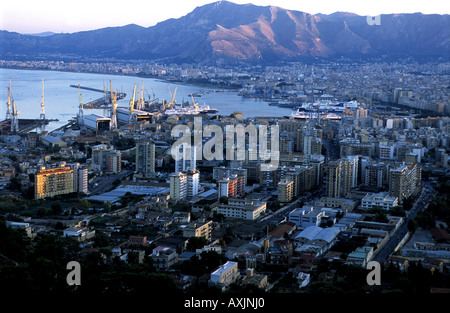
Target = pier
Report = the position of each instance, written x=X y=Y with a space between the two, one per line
x=100 y=103
x=25 y=125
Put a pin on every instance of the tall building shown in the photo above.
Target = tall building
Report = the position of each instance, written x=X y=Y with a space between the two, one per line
x=178 y=186
x=145 y=157
x=341 y=177
x=285 y=191
x=232 y=186
x=220 y=172
x=185 y=159
x=113 y=161
x=106 y=160
x=50 y=182
x=404 y=181
x=80 y=177
x=192 y=182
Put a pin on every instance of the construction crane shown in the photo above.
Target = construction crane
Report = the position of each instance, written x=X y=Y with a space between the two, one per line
x=141 y=100
x=42 y=115
x=15 y=120
x=8 y=102
x=193 y=102
x=172 y=102
x=80 y=107
x=131 y=105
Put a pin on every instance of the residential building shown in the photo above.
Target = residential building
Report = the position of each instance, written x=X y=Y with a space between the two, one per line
x=192 y=182
x=164 y=257
x=225 y=275
x=50 y=182
x=285 y=191
x=145 y=157
x=80 y=177
x=404 y=181
x=232 y=186
x=221 y=172
x=242 y=209
x=105 y=159
x=178 y=186
x=199 y=228
x=306 y=216
x=382 y=200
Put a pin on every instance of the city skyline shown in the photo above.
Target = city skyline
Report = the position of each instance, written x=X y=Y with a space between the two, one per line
x=48 y=16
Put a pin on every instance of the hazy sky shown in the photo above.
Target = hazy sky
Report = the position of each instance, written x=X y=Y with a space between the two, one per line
x=34 y=16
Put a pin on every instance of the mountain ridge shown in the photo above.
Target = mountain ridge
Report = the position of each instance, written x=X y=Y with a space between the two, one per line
x=228 y=32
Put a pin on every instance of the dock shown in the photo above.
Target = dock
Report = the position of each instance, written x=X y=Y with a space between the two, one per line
x=25 y=125
x=102 y=102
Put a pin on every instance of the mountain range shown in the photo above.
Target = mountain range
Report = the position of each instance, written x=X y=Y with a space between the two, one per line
x=232 y=32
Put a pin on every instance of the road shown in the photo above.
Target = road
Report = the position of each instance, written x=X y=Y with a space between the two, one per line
x=384 y=252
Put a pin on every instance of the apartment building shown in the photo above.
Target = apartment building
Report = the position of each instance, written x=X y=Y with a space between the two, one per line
x=178 y=186
x=199 y=228
x=50 y=182
x=225 y=275
x=221 y=172
x=232 y=186
x=404 y=181
x=242 y=209
x=285 y=191
x=145 y=157
x=184 y=184
x=382 y=200
x=106 y=160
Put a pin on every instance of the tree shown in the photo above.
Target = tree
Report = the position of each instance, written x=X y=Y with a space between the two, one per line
x=196 y=243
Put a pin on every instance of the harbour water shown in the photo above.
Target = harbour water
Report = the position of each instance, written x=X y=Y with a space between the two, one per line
x=62 y=101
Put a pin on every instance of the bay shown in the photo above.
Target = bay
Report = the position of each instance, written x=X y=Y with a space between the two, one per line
x=62 y=101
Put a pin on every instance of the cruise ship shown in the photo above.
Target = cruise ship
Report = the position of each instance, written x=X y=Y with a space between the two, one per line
x=190 y=110
x=329 y=106
x=315 y=115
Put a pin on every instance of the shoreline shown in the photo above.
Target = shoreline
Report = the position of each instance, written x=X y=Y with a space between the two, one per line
x=157 y=78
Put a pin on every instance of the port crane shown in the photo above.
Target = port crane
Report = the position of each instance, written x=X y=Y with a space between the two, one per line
x=80 y=107
x=114 y=108
x=8 y=102
x=15 y=120
x=42 y=113
x=131 y=105
x=194 y=103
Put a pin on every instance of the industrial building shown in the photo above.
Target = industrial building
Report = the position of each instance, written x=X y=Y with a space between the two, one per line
x=97 y=122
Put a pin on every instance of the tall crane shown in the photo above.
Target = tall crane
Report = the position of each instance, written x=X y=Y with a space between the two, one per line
x=80 y=107
x=141 y=100
x=15 y=120
x=131 y=105
x=8 y=102
x=114 y=124
x=42 y=115
x=172 y=102
x=193 y=102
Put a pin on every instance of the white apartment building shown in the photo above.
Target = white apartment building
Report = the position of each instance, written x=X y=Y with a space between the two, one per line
x=382 y=200
x=242 y=209
x=306 y=216
x=225 y=275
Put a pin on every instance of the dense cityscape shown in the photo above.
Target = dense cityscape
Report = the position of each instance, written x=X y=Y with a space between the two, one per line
x=361 y=176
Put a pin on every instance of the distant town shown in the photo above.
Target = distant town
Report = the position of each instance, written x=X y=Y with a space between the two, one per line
x=361 y=178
